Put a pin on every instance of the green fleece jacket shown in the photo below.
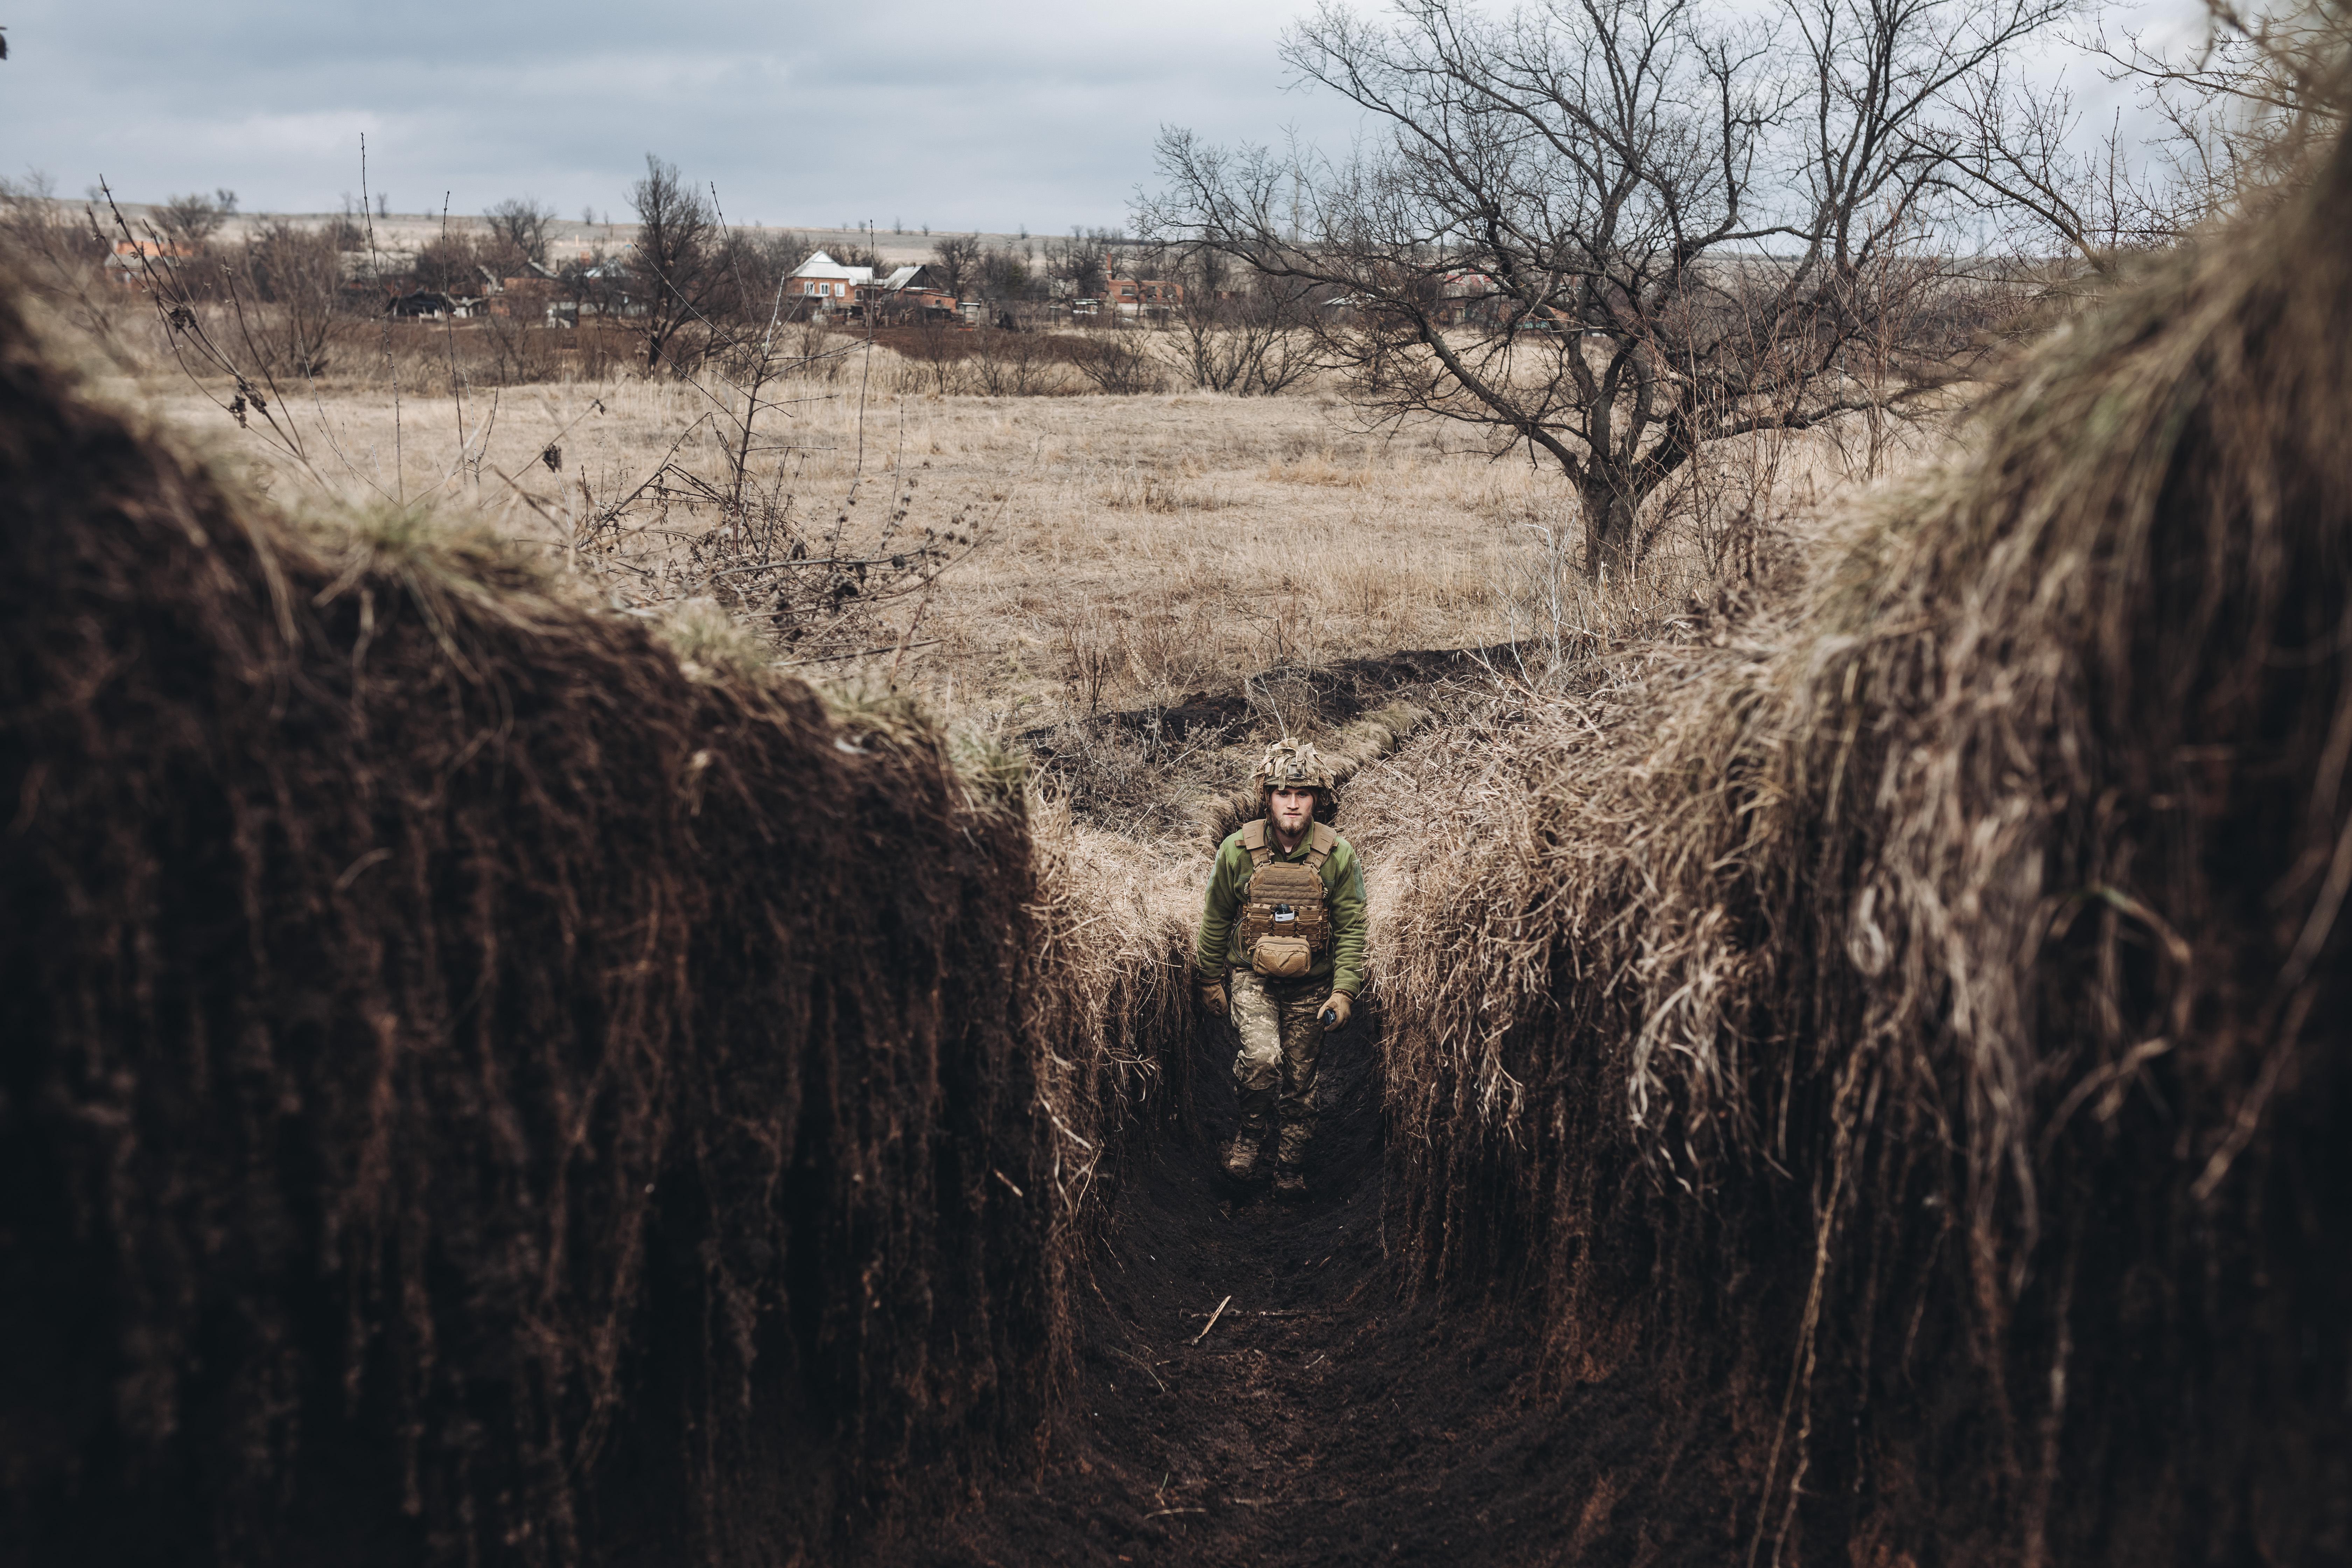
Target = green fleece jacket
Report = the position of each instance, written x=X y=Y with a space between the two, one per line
x=1343 y=885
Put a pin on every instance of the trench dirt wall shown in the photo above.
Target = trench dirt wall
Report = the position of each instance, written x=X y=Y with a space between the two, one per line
x=478 y=1089
x=1915 y=1029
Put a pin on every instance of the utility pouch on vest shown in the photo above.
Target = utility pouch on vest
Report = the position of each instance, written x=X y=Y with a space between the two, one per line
x=1282 y=957
x=1285 y=922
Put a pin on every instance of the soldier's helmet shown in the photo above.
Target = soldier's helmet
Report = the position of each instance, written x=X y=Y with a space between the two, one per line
x=1294 y=765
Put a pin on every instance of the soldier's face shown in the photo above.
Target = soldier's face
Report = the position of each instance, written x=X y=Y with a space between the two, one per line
x=1292 y=809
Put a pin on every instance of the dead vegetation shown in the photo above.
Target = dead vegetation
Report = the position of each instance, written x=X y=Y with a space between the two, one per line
x=518 y=1081
x=475 y=1093
x=1913 y=1027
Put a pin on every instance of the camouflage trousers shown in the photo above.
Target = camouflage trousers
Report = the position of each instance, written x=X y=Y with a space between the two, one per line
x=1282 y=1039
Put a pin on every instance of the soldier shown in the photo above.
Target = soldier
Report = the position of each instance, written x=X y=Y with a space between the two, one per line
x=1284 y=923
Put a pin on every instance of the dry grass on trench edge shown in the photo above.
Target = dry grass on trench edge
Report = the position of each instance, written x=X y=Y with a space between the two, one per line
x=1955 y=963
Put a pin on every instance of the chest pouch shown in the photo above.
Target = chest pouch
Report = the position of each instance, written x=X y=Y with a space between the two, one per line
x=1285 y=923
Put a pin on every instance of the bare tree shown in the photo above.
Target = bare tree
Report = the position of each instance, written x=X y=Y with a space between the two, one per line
x=2242 y=109
x=191 y=221
x=290 y=285
x=521 y=223
x=2052 y=196
x=855 y=255
x=956 y=261
x=1240 y=333
x=1616 y=231
x=1119 y=363
x=678 y=265
x=1013 y=364
x=1006 y=275
x=348 y=227
x=748 y=297
x=59 y=255
x=2236 y=114
x=1082 y=262
x=449 y=264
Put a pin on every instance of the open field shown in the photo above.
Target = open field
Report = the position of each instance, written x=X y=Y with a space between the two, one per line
x=1139 y=590
x=1132 y=549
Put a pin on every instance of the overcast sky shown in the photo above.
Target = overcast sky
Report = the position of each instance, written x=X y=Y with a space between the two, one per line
x=955 y=115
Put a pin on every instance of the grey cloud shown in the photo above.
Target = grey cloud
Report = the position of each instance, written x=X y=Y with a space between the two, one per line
x=800 y=113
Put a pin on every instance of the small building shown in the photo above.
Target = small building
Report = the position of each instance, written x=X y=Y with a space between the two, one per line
x=530 y=295
x=922 y=275
x=128 y=262
x=915 y=305
x=1140 y=296
x=433 y=304
x=823 y=284
x=1465 y=299
x=911 y=294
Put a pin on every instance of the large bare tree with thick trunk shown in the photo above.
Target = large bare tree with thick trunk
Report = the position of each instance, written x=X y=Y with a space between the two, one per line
x=1618 y=230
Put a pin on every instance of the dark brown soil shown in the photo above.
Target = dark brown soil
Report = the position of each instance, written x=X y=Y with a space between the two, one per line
x=1327 y=1417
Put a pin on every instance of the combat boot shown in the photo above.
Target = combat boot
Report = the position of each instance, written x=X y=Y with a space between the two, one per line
x=1242 y=1156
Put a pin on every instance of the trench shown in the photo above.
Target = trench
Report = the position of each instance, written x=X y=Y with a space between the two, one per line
x=1332 y=1413
x=382 y=1220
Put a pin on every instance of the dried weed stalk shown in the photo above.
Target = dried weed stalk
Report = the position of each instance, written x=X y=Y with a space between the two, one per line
x=483 y=1087
x=1921 y=1023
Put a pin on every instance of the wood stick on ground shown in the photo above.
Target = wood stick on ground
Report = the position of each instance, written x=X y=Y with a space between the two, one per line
x=1213 y=1320
x=1147 y=1367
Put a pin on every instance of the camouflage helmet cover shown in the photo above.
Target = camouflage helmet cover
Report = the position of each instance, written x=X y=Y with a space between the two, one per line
x=1296 y=765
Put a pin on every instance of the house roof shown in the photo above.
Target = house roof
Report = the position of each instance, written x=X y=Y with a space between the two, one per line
x=824 y=265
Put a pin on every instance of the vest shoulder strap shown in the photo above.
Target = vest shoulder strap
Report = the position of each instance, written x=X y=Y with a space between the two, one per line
x=1321 y=841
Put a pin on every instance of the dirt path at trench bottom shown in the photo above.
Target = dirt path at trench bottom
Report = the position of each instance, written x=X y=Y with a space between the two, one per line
x=1328 y=1416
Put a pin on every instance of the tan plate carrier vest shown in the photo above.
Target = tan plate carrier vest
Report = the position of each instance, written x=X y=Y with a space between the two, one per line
x=1285 y=921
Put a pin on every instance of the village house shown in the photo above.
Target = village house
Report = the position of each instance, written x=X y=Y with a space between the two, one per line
x=823 y=284
x=1141 y=296
x=528 y=296
x=1464 y=297
x=910 y=294
x=126 y=264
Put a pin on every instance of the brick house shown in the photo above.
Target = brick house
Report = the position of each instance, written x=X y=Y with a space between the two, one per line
x=821 y=283
x=1140 y=296
x=911 y=294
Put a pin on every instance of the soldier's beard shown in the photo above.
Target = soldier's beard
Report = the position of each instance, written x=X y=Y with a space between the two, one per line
x=1290 y=821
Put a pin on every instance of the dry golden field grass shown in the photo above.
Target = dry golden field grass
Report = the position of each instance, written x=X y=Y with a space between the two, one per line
x=1130 y=549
